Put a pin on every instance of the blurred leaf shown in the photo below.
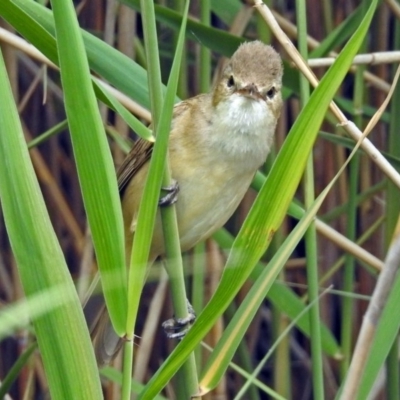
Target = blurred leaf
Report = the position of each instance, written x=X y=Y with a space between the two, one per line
x=62 y=334
x=19 y=314
x=339 y=35
x=367 y=110
x=349 y=144
x=226 y=9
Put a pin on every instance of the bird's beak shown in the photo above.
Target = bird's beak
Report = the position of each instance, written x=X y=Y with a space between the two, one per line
x=250 y=91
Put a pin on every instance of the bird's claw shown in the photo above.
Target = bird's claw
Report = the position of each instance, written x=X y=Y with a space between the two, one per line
x=171 y=195
x=176 y=328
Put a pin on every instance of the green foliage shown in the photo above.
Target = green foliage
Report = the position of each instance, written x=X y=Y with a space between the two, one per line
x=68 y=359
x=51 y=302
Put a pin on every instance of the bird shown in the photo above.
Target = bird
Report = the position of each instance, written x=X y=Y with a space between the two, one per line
x=217 y=142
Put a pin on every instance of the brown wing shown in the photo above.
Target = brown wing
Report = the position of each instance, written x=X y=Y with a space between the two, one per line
x=141 y=151
x=137 y=157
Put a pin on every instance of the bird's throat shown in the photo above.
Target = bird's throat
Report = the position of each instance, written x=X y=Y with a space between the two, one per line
x=244 y=127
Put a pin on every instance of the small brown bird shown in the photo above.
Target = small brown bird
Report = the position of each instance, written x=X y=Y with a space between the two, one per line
x=217 y=142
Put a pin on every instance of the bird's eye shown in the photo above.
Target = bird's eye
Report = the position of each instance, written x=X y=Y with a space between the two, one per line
x=271 y=93
x=231 y=82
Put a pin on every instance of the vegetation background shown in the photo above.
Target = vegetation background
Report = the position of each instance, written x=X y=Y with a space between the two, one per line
x=334 y=268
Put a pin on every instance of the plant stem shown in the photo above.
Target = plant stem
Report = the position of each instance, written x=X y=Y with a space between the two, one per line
x=174 y=267
x=349 y=266
x=205 y=53
x=392 y=213
x=168 y=214
x=311 y=235
x=127 y=370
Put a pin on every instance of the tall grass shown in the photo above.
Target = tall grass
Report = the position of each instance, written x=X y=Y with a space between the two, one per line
x=335 y=229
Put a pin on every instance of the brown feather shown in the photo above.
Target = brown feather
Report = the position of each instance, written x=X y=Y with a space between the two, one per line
x=141 y=153
x=137 y=157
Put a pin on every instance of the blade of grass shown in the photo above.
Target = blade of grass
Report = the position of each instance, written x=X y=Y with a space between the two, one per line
x=13 y=373
x=223 y=353
x=285 y=299
x=339 y=35
x=256 y=382
x=44 y=136
x=158 y=173
x=133 y=122
x=94 y=162
x=252 y=379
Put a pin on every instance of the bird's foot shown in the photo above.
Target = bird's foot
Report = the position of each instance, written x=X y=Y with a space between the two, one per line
x=171 y=195
x=176 y=328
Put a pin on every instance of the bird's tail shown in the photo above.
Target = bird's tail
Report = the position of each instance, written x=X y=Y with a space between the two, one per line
x=106 y=342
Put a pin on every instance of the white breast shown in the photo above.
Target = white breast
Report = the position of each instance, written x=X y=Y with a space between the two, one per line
x=244 y=129
x=236 y=145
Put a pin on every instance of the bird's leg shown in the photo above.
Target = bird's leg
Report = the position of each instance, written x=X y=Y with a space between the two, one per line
x=171 y=195
x=176 y=328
